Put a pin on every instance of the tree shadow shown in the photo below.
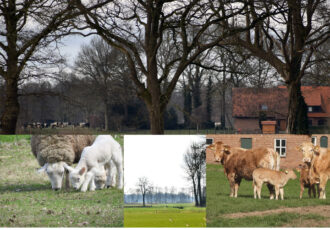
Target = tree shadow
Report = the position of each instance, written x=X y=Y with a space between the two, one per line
x=24 y=187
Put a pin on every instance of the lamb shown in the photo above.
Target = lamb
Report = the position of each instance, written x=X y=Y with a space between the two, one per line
x=276 y=178
x=306 y=181
x=54 y=152
x=104 y=150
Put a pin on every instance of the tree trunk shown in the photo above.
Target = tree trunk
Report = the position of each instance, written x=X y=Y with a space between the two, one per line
x=11 y=110
x=156 y=118
x=199 y=189
x=297 y=112
x=195 y=193
x=143 y=199
x=106 y=115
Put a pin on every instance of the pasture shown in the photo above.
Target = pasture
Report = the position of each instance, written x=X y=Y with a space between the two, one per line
x=245 y=211
x=27 y=200
x=165 y=216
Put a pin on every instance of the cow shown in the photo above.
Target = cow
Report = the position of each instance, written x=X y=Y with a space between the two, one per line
x=318 y=160
x=240 y=163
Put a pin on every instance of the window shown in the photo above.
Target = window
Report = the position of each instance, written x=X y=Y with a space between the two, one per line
x=280 y=147
x=324 y=142
x=310 y=109
x=209 y=141
x=246 y=143
x=264 y=107
x=310 y=123
x=314 y=139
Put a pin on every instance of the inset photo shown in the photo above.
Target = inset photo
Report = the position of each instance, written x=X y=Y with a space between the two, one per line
x=273 y=180
x=165 y=181
x=61 y=181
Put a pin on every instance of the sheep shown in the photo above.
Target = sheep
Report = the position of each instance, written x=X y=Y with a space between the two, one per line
x=306 y=181
x=104 y=150
x=55 y=152
x=276 y=178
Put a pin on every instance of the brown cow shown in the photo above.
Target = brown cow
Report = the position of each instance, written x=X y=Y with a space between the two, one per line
x=240 y=163
x=318 y=160
x=305 y=181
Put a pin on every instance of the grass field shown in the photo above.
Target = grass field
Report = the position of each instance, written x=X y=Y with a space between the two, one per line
x=244 y=211
x=26 y=198
x=165 y=216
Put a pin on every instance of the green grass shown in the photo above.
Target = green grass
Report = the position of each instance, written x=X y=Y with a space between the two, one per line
x=219 y=202
x=13 y=138
x=26 y=198
x=162 y=216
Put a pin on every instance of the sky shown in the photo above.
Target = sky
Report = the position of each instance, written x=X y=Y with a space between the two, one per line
x=157 y=157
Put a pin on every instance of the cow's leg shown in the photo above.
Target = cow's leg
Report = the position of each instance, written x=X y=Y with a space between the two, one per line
x=231 y=179
x=323 y=183
x=318 y=190
x=237 y=184
x=88 y=178
x=277 y=191
x=282 y=193
x=271 y=191
x=254 y=190
x=301 y=190
x=313 y=189
x=259 y=188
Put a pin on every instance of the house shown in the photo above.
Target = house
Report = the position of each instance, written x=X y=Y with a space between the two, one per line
x=251 y=106
x=285 y=144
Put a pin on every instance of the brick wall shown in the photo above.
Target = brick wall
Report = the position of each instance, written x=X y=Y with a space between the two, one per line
x=293 y=156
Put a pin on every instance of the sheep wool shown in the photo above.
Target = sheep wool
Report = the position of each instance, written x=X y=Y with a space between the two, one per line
x=56 y=148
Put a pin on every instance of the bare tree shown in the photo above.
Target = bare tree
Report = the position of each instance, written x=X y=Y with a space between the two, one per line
x=195 y=165
x=26 y=29
x=138 y=28
x=287 y=41
x=144 y=186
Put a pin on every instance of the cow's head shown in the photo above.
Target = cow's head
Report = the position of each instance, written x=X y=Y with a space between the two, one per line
x=55 y=172
x=290 y=173
x=309 y=151
x=220 y=150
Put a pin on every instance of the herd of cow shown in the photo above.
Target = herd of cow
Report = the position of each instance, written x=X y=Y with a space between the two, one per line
x=262 y=165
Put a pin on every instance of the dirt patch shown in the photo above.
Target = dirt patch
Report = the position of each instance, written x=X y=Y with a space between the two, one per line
x=322 y=210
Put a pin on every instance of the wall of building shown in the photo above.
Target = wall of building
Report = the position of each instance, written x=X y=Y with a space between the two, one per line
x=293 y=156
x=246 y=124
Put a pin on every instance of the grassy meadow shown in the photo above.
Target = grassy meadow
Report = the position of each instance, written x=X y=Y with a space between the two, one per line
x=245 y=211
x=27 y=200
x=165 y=216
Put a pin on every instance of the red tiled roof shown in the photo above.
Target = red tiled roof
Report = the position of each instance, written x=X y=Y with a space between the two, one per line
x=247 y=102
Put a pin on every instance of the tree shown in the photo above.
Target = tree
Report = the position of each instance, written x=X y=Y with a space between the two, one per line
x=26 y=29
x=144 y=186
x=138 y=28
x=106 y=68
x=287 y=41
x=195 y=165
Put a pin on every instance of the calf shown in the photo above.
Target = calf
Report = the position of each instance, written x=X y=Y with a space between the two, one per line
x=277 y=178
x=104 y=150
x=240 y=163
x=306 y=181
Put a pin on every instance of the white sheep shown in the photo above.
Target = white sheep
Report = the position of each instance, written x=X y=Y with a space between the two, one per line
x=54 y=152
x=276 y=178
x=105 y=152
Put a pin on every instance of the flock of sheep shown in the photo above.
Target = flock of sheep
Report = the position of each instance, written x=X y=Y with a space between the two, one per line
x=262 y=166
x=100 y=160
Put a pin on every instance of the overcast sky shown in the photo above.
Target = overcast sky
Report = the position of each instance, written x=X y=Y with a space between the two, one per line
x=159 y=158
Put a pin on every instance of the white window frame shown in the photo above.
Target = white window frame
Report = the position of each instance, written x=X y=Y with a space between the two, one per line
x=310 y=109
x=314 y=140
x=280 y=147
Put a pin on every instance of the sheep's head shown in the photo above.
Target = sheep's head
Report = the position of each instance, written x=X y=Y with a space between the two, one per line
x=100 y=178
x=77 y=177
x=55 y=172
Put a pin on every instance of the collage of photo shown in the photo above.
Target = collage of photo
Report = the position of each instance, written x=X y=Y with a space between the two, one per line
x=164 y=113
